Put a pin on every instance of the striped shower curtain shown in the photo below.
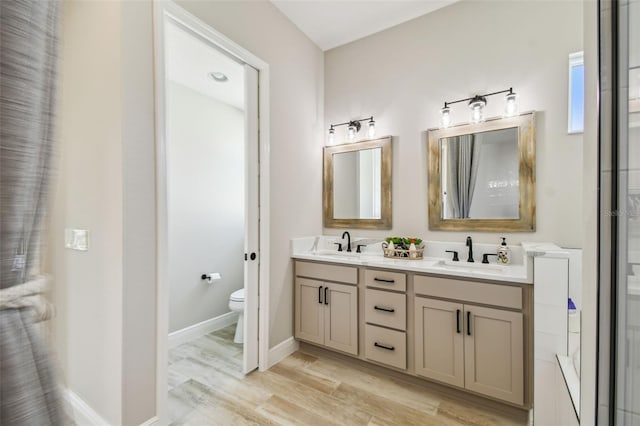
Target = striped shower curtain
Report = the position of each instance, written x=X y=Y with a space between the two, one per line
x=28 y=40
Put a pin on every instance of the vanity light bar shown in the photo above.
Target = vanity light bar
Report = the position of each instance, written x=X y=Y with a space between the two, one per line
x=477 y=104
x=354 y=127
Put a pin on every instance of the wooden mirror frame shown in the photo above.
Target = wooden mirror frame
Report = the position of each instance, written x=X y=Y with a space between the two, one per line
x=385 y=186
x=526 y=221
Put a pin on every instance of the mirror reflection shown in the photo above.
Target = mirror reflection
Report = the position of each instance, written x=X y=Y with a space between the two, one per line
x=357 y=182
x=480 y=175
x=357 y=185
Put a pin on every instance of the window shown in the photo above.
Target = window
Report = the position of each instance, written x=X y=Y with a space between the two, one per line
x=576 y=92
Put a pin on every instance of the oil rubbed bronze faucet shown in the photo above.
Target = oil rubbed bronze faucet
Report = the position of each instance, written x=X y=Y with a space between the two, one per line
x=470 y=245
x=348 y=239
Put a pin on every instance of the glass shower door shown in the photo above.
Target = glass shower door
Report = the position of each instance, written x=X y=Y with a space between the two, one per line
x=619 y=331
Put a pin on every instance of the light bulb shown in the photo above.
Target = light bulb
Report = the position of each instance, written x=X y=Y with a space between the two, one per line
x=352 y=132
x=510 y=105
x=372 y=128
x=332 y=135
x=477 y=108
x=445 y=117
x=476 y=114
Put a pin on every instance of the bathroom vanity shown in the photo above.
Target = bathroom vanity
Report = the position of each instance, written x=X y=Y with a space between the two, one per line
x=465 y=325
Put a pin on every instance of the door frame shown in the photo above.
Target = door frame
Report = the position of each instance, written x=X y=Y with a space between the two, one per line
x=164 y=9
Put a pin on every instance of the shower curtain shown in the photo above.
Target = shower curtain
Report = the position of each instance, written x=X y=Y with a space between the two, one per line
x=462 y=167
x=28 y=41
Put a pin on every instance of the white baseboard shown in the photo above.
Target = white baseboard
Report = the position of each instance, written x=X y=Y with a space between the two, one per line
x=281 y=351
x=83 y=414
x=187 y=334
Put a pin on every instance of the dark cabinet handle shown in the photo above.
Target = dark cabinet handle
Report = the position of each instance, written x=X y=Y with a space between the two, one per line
x=326 y=299
x=380 y=345
x=458 y=321
x=468 y=323
x=320 y=295
x=382 y=280
x=380 y=308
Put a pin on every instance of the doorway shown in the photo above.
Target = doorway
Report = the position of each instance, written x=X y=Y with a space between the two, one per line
x=212 y=195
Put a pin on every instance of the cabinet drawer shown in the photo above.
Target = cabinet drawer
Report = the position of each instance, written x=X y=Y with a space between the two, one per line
x=324 y=272
x=490 y=294
x=385 y=308
x=385 y=346
x=385 y=279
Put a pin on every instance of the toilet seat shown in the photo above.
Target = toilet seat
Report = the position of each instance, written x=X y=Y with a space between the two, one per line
x=237 y=296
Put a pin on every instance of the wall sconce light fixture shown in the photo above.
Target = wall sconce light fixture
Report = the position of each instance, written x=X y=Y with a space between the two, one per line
x=354 y=128
x=477 y=104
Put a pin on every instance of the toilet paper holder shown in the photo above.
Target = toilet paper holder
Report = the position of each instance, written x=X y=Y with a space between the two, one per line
x=211 y=277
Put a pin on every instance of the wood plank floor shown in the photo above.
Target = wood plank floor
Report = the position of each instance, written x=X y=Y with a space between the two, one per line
x=206 y=387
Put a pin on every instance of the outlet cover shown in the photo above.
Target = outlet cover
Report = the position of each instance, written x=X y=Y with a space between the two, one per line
x=76 y=239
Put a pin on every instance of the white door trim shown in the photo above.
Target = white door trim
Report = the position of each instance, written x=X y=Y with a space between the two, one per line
x=168 y=10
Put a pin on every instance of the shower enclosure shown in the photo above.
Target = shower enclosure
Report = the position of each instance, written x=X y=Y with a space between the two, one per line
x=619 y=224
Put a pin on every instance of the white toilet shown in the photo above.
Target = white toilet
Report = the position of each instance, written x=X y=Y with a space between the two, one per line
x=236 y=304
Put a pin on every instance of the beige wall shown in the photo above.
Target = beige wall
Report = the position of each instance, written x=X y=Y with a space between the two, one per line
x=403 y=75
x=205 y=180
x=297 y=132
x=105 y=330
x=88 y=195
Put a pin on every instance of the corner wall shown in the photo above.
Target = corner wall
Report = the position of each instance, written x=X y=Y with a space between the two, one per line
x=403 y=75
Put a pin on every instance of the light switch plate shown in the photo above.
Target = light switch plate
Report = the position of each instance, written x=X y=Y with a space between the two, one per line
x=76 y=239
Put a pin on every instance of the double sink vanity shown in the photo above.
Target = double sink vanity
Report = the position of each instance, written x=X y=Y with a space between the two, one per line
x=466 y=325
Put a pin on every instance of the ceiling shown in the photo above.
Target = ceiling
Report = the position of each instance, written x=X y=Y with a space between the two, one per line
x=190 y=60
x=331 y=23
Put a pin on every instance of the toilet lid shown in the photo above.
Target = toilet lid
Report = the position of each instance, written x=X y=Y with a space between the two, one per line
x=237 y=296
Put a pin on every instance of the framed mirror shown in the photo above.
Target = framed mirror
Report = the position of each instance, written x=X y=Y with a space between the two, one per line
x=357 y=185
x=482 y=176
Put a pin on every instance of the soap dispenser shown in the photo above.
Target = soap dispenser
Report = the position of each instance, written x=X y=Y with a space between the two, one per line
x=504 y=252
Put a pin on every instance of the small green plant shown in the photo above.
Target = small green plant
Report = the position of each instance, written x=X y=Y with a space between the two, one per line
x=405 y=241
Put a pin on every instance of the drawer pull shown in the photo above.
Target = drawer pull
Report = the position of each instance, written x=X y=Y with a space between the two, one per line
x=326 y=299
x=382 y=308
x=458 y=321
x=380 y=345
x=468 y=323
x=382 y=280
x=320 y=295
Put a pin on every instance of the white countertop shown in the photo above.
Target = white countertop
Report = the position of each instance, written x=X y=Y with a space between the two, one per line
x=436 y=260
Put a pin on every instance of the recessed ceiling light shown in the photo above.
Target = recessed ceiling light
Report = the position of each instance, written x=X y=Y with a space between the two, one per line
x=218 y=76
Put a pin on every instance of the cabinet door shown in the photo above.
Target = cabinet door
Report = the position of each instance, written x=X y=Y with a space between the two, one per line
x=439 y=340
x=341 y=317
x=494 y=363
x=309 y=308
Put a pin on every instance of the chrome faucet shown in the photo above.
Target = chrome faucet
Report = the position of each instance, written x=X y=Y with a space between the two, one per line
x=348 y=239
x=470 y=245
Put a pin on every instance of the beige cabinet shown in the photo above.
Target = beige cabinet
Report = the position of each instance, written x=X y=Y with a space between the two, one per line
x=493 y=353
x=327 y=314
x=385 y=316
x=439 y=340
x=473 y=347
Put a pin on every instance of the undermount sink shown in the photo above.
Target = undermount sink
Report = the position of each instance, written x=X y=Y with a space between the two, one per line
x=469 y=266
